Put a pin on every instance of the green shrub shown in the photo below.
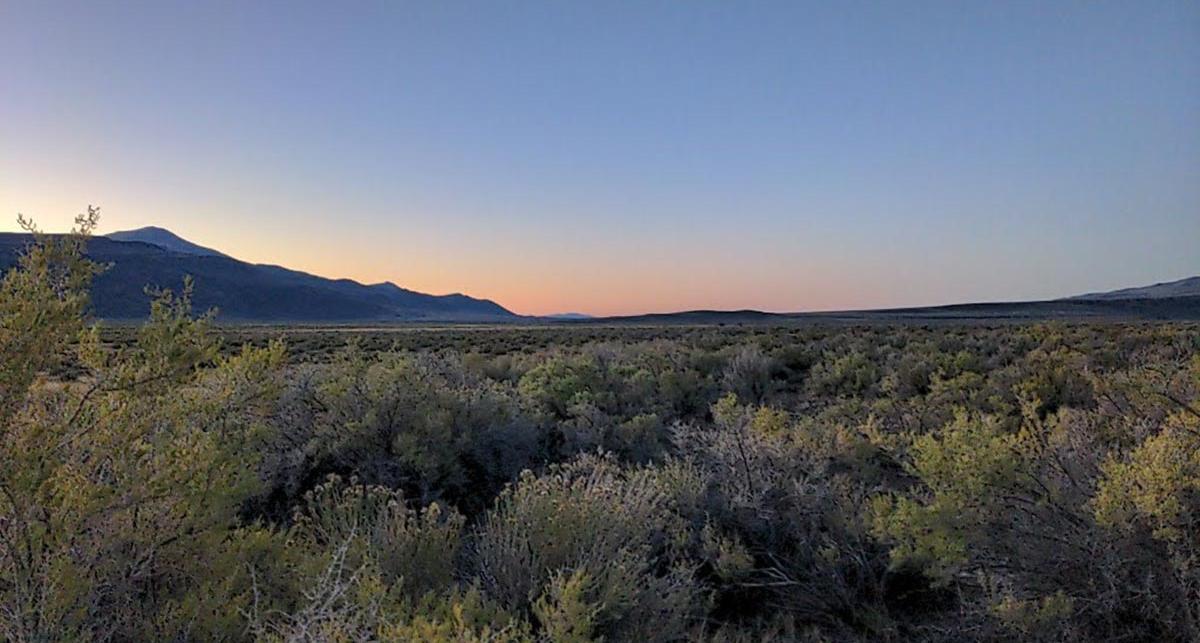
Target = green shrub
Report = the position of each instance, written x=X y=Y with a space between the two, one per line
x=415 y=549
x=593 y=535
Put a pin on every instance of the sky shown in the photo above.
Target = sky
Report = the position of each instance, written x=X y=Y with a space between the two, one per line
x=624 y=157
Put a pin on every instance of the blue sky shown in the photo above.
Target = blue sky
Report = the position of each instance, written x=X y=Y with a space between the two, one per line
x=625 y=157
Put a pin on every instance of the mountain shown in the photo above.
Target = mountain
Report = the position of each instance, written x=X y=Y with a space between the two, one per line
x=1189 y=287
x=568 y=316
x=1122 y=310
x=245 y=292
x=164 y=239
x=1175 y=300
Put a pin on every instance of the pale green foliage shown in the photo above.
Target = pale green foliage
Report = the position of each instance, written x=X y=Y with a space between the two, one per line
x=1047 y=515
x=558 y=383
x=608 y=399
x=419 y=422
x=965 y=467
x=748 y=374
x=41 y=308
x=460 y=617
x=126 y=480
x=1059 y=380
x=848 y=374
x=1157 y=483
x=775 y=523
x=566 y=611
x=342 y=603
x=731 y=560
x=415 y=549
x=1036 y=619
x=592 y=518
x=1159 y=480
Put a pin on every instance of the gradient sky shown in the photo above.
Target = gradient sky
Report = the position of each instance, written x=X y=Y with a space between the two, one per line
x=615 y=157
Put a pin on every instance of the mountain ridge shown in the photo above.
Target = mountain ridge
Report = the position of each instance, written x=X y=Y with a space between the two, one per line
x=1067 y=309
x=1186 y=287
x=252 y=293
x=267 y=293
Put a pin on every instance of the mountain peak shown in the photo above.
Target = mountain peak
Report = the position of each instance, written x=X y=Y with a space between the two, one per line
x=246 y=292
x=164 y=239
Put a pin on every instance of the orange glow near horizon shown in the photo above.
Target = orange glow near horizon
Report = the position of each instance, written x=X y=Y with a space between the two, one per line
x=512 y=270
x=521 y=281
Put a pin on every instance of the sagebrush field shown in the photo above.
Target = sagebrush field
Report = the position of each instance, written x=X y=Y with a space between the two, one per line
x=182 y=481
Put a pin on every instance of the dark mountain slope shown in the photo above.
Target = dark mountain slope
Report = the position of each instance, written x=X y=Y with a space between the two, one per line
x=1173 y=300
x=1189 y=287
x=1161 y=309
x=246 y=292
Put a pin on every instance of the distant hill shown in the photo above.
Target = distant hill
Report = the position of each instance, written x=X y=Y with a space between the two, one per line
x=1161 y=309
x=1189 y=287
x=164 y=239
x=244 y=292
x=1175 y=300
x=253 y=293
